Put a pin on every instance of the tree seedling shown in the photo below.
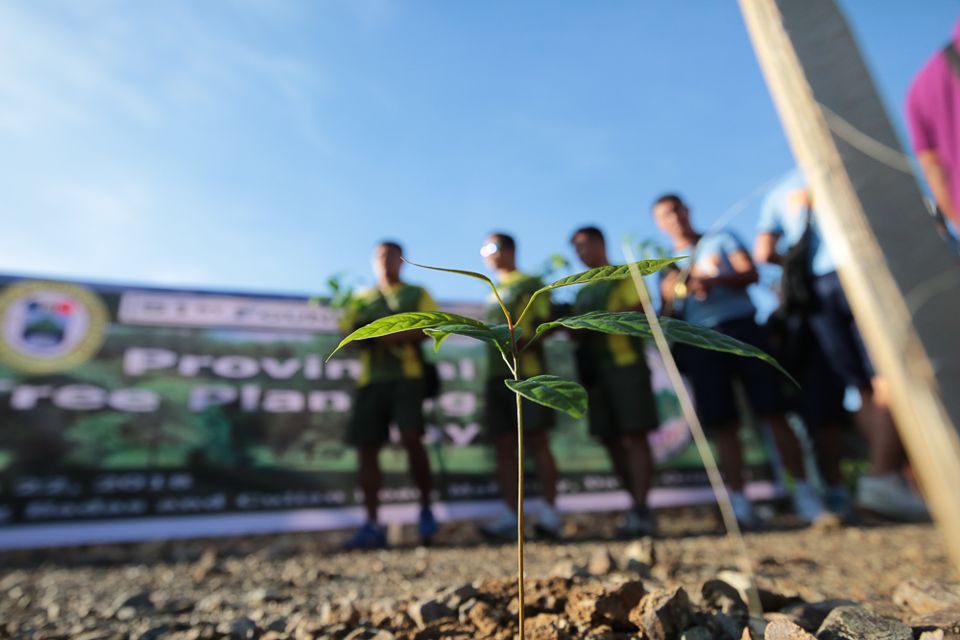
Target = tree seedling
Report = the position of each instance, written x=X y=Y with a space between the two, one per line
x=548 y=390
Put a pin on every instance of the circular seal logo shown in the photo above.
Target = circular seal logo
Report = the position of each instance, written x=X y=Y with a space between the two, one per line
x=50 y=326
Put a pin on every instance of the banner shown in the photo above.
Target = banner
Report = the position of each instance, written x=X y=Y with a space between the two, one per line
x=130 y=413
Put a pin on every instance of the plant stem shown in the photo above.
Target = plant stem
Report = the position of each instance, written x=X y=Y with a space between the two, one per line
x=516 y=376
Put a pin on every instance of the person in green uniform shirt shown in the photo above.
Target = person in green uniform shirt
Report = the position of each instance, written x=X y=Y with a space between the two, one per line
x=390 y=391
x=622 y=408
x=500 y=419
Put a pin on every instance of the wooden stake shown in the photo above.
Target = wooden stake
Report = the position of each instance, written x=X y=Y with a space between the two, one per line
x=901 y=280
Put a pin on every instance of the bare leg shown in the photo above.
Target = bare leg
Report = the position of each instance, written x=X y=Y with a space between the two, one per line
x=419 y=464
x=886 y=450
x=633 y=463
x=370 y=479
x=828 y=442
x=791 y=453
x=506 y=454
x=538 y=443
x=731 y=455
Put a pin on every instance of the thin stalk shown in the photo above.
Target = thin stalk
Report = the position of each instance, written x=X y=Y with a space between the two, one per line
x=699 y=437
x=516 y=376
x=520 y=599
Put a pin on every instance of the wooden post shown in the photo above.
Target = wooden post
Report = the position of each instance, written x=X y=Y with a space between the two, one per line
x=902 y=282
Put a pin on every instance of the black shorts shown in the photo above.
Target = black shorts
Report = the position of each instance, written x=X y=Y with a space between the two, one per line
x=621 y=402
x=833 y=324
x=380 y=404
x=819 y=399
x=712 y=375
x=500 y=415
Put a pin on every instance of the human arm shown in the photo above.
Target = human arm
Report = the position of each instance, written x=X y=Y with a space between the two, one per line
x=742 y=275
x=765 y=248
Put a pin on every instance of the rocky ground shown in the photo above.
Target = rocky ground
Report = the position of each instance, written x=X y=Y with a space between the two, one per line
x=882 y=581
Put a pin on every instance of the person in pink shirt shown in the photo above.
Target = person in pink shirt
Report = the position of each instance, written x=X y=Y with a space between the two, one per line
x=933 y=117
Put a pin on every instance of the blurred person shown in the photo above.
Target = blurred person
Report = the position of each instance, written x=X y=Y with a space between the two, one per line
x=390 y=391
x=715 y=295
x=516 y=288
x=788 y=222
x=613 y=368
x=933 y=118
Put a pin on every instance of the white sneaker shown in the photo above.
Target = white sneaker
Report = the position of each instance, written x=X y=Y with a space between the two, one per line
x=503 y=529
x=806 y=502
x=889 y=495
x=743 y=510
x=549 y=524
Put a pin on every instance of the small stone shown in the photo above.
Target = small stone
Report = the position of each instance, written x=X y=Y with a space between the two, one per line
x=178 y=606
x=720 y=595
x=567 y=568
x=463 y=611
x=429 y=611
x=239 y=629
x=592 y=605
x=342 y=611
x=853 y=623
x=454 y=597
x=770 y=598
x=125 y=613
x=925 y=596
x=258 y=596
x=932 y=635
x=785 y=630
x=484 y=618
x=946 y=620
x=277 y=624
x=810 y=615
x=154 y=633
x=663 y=614
x=697 y=633
x=601 y=563
x=140 y=601
x=725 y=626
x=641 y=551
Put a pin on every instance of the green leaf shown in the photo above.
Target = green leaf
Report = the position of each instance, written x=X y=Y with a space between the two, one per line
x=609 y=272
x=551 y=391
x=634 y=323
x=470 y=274
x=497 y=335
x=406 y=322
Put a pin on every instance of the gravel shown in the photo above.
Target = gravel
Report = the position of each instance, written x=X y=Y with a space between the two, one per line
x=685 y=584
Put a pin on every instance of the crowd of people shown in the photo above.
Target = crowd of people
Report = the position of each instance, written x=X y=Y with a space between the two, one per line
x=813 y=333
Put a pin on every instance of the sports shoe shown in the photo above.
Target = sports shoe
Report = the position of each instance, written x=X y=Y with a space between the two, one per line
x=889 y=495
x=637 y=523
x=503 y=529
x=369 y=536
x=806 y=502
x=839 y=501
x=549 y=524
x=743 y=510
x=427 y=526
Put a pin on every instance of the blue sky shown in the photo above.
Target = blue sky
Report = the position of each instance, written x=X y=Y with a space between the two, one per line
x=265 y=144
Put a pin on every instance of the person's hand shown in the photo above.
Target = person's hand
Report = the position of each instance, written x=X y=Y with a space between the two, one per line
x=699 y=287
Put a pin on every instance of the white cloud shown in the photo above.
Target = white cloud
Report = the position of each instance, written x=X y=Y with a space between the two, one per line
x=121 y=64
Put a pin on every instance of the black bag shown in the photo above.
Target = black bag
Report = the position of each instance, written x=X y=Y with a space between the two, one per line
x=796 y=283
x=431 y=380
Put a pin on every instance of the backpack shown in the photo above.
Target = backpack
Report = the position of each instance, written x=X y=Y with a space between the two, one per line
x=796 y=283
